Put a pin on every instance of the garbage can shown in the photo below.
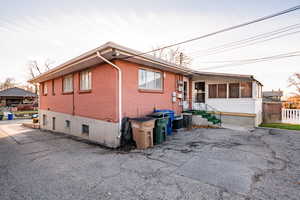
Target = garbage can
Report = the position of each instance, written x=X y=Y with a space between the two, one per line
x=187 y=120
x=171 y=115
x=160 y=129
x=142 y=129
x=10 y=116
x=178 y=122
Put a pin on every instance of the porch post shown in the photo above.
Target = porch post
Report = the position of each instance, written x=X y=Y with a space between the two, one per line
x=190 y=99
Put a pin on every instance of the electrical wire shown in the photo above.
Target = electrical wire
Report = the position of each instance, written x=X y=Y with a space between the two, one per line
x=248 y=40
x=250 y=61
x=250 y=44
x=221 y=31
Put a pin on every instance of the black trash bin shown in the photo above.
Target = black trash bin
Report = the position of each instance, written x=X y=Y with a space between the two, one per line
x=187 y=120
x=177 y=122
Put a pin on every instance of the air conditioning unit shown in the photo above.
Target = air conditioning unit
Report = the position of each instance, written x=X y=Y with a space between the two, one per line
x=173 y=94
x=179 y=95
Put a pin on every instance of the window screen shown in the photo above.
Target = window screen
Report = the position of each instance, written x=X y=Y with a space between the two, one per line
x=222 y=90
x=234 y=90
x=246 y=89
x=212 y=91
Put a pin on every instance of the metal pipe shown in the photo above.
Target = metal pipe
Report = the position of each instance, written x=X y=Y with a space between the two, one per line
x=119 y=89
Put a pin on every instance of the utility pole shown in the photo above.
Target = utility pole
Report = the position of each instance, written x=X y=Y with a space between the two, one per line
x=180 y=59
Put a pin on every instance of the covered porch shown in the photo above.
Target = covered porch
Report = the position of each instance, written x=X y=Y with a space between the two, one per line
x=237 y=98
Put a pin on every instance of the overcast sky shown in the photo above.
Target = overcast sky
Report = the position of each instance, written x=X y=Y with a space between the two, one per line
x=60 y=30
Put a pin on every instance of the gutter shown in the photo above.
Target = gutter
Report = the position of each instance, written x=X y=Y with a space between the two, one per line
x=119 y=89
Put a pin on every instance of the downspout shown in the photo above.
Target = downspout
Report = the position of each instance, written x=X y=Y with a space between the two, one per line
x=119 y=90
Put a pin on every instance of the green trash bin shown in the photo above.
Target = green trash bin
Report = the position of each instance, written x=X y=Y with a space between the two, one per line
x=160 y=128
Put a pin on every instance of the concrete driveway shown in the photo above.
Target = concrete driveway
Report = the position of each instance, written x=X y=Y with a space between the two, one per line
x=199 y=164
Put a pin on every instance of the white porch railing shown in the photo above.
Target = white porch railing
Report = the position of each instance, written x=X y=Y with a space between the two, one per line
x=291 y=116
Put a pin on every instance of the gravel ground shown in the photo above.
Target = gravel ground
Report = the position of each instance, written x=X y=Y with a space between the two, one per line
x=198 y=164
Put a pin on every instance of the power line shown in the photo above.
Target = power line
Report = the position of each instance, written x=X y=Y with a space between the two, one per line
x=254 y=60
x=250 y=39
x=248 y=44
x=222 y=30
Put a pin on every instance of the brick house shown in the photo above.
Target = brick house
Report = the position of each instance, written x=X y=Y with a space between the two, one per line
x=89 y=95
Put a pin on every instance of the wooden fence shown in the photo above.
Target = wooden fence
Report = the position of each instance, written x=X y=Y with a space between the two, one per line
x=291 y=116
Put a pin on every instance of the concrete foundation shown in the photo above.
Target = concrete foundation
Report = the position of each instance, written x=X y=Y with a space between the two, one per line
x=197 y=120
x=241 y=121
x=244 y=121
x=102 y=132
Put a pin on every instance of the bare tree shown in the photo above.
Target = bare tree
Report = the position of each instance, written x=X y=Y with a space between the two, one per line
x=175 y=56
x=294 y=81
x=35 y=69
x=8 y=83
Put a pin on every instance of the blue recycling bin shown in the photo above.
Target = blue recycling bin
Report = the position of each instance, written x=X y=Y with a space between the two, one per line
x=171 y=115
x=10 y=116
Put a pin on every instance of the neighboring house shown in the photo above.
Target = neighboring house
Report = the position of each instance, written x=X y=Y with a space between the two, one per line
x=272 y=96
x=272 y=106
x=15 y=96
x=89 y=95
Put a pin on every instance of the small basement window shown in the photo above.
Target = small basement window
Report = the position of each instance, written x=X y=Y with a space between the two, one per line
x=68 y=123
x=53 y=123
x=85 y=129
x=44 y=120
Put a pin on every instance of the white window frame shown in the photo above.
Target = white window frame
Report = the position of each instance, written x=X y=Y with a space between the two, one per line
x=68 y=84
x=85 y=80
x=45 y=88
x=147 y=86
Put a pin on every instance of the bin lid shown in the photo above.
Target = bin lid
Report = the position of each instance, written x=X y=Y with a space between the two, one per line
x=142 y=119
x=158 y=114
x=187 y=113
x=178 y=118
x=165 y=111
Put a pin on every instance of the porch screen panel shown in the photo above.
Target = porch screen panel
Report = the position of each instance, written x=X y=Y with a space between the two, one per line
x=246 y=90
x=212 y=91
x=234 y=90
x=222 y=90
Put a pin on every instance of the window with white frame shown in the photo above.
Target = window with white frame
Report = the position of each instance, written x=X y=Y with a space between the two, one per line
x=45 y=88
x=85 y=80
x=151 y=80
x=68 y=83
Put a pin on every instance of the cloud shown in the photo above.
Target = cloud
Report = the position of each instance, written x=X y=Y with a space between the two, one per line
x=43 y=30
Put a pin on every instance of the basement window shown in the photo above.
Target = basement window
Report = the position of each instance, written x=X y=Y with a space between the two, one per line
x=53 y=123
x=85 y=129
x=68 y=123
x=44 y=120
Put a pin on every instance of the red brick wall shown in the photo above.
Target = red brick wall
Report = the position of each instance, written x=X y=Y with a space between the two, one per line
x=101 y=102
x=138 y=103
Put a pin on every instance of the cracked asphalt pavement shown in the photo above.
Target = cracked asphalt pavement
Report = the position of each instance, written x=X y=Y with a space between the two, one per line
x=197 y=164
